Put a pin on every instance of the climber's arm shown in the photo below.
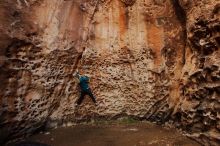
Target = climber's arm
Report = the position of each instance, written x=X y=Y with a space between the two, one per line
x=77 y=76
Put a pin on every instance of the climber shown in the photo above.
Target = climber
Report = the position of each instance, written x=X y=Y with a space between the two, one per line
x=85 y=89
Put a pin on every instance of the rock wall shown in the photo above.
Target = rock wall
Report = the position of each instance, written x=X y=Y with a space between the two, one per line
x=155 y=60
x=199 y=101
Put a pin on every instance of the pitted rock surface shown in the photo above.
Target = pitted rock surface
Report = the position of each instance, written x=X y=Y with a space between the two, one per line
x=154 y=60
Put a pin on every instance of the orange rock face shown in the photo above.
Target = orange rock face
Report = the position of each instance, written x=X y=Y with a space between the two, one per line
x=154 y=60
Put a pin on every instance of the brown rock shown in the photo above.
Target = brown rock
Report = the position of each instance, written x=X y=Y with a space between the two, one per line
x=156 y=60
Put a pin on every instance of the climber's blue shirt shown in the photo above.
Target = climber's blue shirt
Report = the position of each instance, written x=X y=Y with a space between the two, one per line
x=84 y=83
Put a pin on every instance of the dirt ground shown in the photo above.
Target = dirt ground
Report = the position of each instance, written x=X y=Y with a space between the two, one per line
x=137 y=134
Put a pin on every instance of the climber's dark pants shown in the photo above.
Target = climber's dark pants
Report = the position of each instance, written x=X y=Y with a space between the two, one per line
x=83 y=94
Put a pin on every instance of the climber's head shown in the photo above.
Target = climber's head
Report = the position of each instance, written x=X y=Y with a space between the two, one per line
x=87 y=75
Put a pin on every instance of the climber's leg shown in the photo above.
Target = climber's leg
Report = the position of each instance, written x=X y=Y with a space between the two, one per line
x=89 y=92
x=82 y=96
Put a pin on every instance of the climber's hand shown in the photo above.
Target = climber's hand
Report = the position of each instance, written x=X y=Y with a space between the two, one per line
x=77 y=71
x=75 y=74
